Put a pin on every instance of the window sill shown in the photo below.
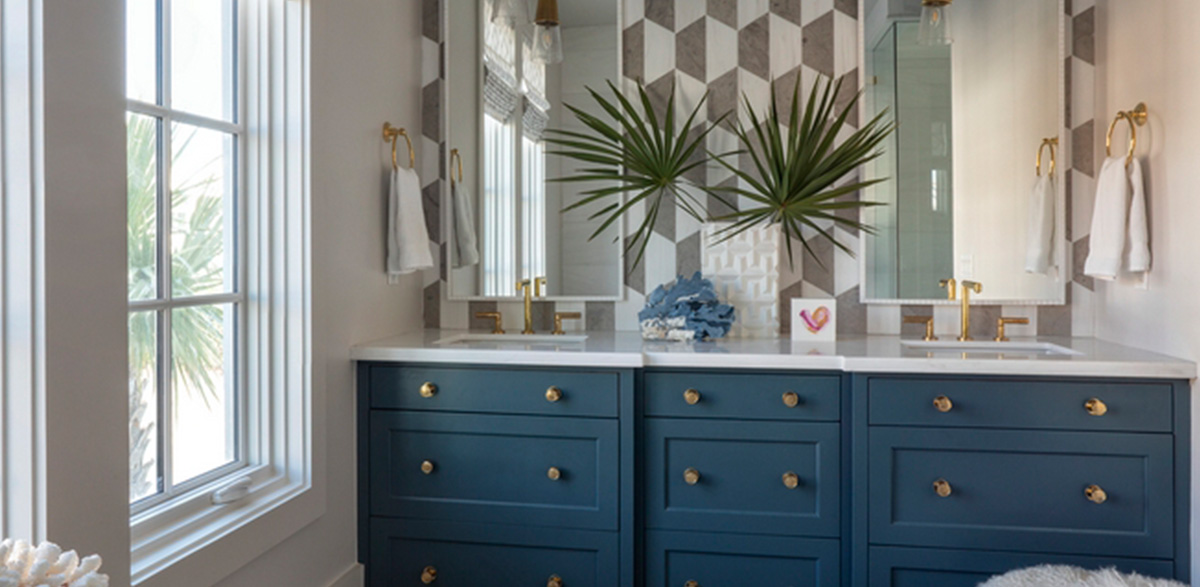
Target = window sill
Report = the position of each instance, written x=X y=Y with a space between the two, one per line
x=191 y=543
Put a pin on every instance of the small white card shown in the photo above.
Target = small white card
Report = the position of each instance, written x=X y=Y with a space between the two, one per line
x=814 y=319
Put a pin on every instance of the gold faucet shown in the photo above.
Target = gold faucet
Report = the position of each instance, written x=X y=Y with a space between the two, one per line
x=951 y=287
x=967 y=288
x=530 y=288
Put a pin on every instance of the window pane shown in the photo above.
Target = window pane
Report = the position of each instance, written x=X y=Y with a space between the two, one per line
x=203 y=418
x=201 y=211
x=142 y=172
x=141 y=50
x=202 y=57
x=143 y=405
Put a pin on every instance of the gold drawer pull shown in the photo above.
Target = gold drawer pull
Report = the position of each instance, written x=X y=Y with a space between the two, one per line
x=691 y=584
x=943 y=404
x=791 y=480
x=554 y=474
x=428 y=389
x=427 y=467
x=429 y=575
x=553 y=394
x=1095 y=494
x=791 y=399
x=691 y=396
x=691 y=476
x=942 y=487
x=1095 y=407
x=554 y=581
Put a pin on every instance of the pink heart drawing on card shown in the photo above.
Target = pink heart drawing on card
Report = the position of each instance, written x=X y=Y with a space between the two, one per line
x=818 y=320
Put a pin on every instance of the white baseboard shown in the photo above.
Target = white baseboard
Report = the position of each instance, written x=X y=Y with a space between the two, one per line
x=353 y=577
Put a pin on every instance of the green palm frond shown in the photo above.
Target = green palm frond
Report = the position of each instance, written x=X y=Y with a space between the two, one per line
x=798 y=164
x=638 y=159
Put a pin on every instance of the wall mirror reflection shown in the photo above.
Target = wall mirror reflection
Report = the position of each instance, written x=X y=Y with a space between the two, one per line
x=508 y=79
x=977 y=91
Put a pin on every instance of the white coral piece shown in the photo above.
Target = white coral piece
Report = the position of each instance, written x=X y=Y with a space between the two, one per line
x=23 y=565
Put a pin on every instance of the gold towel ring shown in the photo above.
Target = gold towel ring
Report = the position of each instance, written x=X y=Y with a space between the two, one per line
x=454 y=154
x=391 y=135
x=1053 y=144
x=1136 y=117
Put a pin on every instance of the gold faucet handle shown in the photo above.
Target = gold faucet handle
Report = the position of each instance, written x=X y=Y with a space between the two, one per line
x=1002 y=322
x=927 y=321
x=560 y=316
x=951 y=287
x=497 y=320
x=523 y=285
x=539 y=286
x=974 y=286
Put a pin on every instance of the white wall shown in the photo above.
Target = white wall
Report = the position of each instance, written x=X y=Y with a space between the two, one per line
x=366 y=59
x=1150 y=52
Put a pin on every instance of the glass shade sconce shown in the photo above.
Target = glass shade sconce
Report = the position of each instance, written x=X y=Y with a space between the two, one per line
x=547 y=34
x=935 y=23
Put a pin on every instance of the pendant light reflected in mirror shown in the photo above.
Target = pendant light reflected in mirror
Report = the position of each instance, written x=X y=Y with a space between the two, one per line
x=935 y=23
x=547 y=34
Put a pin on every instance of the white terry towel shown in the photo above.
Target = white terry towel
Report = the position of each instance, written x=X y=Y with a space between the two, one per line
x=1116 y=215
x=408 y=239
x=464 y=226
x=1039 y=248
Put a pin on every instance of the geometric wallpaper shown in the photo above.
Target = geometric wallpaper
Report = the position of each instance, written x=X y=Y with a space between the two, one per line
x=731 y=48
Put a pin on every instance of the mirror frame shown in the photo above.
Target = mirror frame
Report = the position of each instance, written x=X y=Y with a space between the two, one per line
x=1066 y=270
x=441 y=58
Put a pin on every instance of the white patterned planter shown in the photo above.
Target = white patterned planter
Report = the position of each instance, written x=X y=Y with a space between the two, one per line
x=745 y=272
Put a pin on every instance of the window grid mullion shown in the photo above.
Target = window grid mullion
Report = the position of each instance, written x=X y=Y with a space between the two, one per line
x=166 y=409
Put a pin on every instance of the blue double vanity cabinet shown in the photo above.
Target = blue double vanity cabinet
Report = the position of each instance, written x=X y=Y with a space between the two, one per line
x=477 y=474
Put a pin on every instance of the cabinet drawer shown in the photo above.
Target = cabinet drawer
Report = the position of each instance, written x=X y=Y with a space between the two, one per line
x=498 y=391
x=1023 y=491
x=740 y=480
x=494 y=469
x=1013 y=403
x=920 y=567
x=730 y=560
x=470 y=555
x=743 y=396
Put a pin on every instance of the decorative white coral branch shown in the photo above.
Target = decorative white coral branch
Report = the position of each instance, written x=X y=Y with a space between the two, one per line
x=22 y=565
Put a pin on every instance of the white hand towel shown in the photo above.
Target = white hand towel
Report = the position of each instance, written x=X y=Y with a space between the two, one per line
x=1139 y=232
x=1109 y=215
x=408 y=239
x=464 y=226
x=1039 y=248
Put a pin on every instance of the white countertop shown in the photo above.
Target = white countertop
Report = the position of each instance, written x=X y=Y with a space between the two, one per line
x=861 y=355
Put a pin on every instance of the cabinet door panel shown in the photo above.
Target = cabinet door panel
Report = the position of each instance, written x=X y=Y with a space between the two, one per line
x=730 y=560
x=750 y=396
x=496 y=391
x=919 y=567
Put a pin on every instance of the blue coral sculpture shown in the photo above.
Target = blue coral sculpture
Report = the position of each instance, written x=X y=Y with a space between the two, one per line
x=687 y=309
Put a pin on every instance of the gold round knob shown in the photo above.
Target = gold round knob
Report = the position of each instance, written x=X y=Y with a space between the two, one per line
x=1095 y=407
x=554 y=581
x=429 y=575
x=428 y=389
x=791 y=480
x=553 y=474
x=791 y=399
x=691 y=396
x=943 y=403
x=1095 y=494
x=942 y=487
x=553 y=394
x=691 y=584
x=427 y=467
x=691 y=476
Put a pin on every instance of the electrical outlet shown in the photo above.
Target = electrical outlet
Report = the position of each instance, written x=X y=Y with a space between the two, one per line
x=393 y=279
x=966 y=266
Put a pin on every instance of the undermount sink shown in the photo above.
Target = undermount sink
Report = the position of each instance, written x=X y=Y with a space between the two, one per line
x=989 y=346
x=512 y=338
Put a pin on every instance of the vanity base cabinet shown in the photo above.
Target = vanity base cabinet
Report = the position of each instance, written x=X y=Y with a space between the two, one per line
x=957 y=479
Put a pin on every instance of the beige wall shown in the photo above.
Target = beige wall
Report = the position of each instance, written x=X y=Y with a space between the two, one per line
x=1150 y=52
x=365 y=70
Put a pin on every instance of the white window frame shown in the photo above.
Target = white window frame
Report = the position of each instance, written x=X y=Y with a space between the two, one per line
x=189 y=541
x=165 y=302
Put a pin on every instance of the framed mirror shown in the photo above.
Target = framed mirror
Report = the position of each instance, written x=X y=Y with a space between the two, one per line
x=977 y=90
x=504 y=93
